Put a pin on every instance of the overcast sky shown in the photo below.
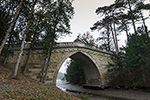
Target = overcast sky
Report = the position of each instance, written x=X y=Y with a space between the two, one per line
x=84 y=17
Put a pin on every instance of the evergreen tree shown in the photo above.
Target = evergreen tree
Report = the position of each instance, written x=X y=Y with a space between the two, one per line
x=24 y=34
x=55 y=24
x=108 y=22
x=134 y=61
x=74 y=73
x=116 y=18
x=11 y=26
x=4 y=20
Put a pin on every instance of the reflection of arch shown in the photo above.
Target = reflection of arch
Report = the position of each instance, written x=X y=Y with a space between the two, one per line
x=88 y=64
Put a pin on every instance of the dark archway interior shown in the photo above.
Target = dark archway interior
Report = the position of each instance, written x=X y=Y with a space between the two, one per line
x=87 y=65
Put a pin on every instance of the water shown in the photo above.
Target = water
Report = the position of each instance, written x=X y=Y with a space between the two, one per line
x=65 y=86
x=61 y=84
x=93 y=94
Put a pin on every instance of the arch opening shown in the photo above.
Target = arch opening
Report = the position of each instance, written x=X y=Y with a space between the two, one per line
x=89 y=68
x=91 y=72
x=70 y=72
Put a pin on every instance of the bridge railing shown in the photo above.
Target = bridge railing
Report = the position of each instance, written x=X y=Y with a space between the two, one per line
x=61 y=45
x=73 y=44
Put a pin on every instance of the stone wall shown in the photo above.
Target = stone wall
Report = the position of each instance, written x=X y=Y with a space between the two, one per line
x=93 y=61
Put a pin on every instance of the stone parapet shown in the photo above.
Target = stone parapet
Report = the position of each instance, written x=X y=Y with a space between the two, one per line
x=93 y=61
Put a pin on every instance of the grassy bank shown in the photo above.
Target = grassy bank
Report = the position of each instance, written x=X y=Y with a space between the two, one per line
x=25 y=88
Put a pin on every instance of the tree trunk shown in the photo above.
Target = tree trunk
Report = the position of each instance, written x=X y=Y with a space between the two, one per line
x=43 y=70
x=108 y=42
x=132 y=19
x=8 y=48
x=115 y=35
x=145 y=27
x=44 y=67
x=47 y=68
x=29 y=55
x=126 y=30
x=48 y=63
x=19 y=57
x=11 y=26
x=108 y=39
x=23 y=41
x=114 y=40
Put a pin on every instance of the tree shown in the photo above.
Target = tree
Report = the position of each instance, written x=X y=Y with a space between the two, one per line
x=134 y=61
x=105 y=39
x=74 y=73
x=137 y=55
x=108 y=13
x=23 y=40
x=33 y=36
x=11 y=26
x=130 y=6
x=139 y=9
x=4 y=20
x=116 y=18
x=87 y=38
x=55 y=24
x=124 y=24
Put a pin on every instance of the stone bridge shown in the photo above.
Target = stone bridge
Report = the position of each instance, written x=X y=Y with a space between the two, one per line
x=92 y=60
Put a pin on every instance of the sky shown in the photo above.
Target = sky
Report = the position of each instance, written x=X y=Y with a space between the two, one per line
x=84 y=18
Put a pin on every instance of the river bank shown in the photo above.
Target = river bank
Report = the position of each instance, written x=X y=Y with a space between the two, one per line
x=107 y=94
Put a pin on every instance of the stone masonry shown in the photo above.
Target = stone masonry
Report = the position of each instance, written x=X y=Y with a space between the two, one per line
x=92 y=60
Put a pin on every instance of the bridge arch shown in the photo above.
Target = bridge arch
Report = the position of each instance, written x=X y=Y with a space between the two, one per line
x=95 y=64
x=87 y=62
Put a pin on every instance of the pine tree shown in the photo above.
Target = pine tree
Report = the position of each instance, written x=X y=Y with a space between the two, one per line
x=134 y=61
x=74 y=73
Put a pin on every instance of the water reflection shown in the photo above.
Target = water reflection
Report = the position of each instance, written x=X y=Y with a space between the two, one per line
x=101 y=97
x=61 y=84
x=77 y=90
